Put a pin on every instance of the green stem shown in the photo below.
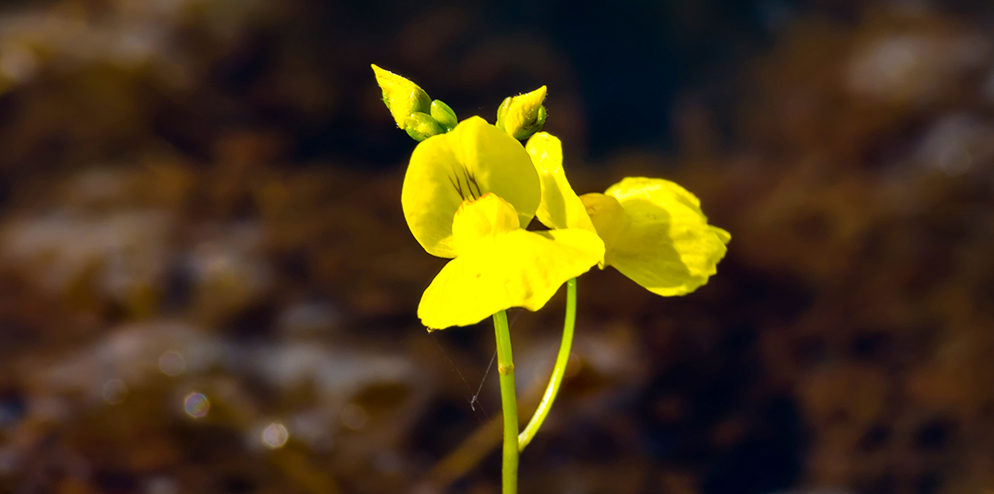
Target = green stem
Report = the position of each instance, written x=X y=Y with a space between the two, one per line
x=552 y=389
x=509 y=402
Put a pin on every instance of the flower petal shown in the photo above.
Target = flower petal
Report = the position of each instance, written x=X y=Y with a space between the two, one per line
x=560 y=206
x=668 y=246
x=473 y=159
x=482 y=220
x=519 y=269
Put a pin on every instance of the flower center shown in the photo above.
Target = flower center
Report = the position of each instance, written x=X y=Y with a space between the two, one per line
x=482 y=219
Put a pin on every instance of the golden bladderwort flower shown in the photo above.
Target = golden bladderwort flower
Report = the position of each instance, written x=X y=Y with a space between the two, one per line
x=654 y=231
x=470 y=191
x=468 y=195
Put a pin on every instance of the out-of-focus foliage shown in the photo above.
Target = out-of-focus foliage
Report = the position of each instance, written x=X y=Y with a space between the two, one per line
x=199 y=207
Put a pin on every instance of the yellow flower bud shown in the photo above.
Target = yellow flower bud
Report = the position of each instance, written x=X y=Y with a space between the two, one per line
x=402 y=97
x=522 y=115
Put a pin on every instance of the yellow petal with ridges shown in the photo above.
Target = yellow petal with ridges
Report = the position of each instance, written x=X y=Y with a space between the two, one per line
x=472 y=160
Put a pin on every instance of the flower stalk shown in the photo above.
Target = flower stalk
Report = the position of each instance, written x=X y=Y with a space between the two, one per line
x=509 y=404
x=556 y=379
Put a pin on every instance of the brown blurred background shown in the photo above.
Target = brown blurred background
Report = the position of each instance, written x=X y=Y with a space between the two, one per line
x=207 y=286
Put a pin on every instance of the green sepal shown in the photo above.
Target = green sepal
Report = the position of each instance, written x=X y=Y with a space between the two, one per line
x=501 y=110
x=421 y=126
x=444 y=115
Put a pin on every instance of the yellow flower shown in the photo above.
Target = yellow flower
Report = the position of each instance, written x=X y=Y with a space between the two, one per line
x=445 y=170
x=654 y=231
x=468 y=195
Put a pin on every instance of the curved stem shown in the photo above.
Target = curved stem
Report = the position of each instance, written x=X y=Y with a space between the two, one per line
x=509 y=403
x=552 y=389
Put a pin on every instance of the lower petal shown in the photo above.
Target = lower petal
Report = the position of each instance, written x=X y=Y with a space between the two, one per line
x=668 y=263
x=667 y=245
x=519 y=269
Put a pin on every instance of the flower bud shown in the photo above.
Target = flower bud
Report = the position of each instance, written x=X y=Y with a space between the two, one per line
x=522 y=115
x=444 y=115
x=402 y=97
x=421 y=126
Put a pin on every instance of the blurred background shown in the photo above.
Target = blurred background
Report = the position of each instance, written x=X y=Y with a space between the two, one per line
x=207 y=285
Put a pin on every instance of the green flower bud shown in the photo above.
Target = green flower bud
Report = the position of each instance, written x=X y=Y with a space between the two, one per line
x=402 y=97
x=445 y=116
x=421 y=126
x=522 y=115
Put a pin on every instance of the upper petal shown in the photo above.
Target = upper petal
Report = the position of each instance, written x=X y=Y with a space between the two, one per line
x=518 y=269
x=560 y=207
x=667 y=246
x=472 y=160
